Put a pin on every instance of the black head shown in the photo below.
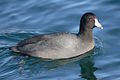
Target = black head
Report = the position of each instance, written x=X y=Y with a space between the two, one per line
x=88 y=22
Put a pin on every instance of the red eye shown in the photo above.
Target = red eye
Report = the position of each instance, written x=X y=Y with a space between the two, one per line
x=90 y=20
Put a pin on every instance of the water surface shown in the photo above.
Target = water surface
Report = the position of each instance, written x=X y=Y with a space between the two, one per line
x=20 y=19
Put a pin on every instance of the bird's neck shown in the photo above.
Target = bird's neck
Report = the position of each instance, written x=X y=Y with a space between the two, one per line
x=85 y=34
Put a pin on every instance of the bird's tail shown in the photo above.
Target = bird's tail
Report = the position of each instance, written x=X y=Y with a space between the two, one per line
x=14 y=48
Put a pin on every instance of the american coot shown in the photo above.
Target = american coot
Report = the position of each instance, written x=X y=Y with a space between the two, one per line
x=61 y=45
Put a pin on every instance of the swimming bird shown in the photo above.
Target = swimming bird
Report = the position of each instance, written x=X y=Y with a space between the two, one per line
x=60 y=45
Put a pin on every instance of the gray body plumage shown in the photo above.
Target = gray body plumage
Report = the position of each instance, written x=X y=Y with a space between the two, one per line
x=55 y=46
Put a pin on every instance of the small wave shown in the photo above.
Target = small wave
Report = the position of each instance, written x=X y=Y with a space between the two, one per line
x=99 y=47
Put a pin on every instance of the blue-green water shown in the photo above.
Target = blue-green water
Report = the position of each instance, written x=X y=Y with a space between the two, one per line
x=20 y=19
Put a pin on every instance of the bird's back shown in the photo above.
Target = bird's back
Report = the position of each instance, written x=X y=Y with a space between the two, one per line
x=63 y=45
